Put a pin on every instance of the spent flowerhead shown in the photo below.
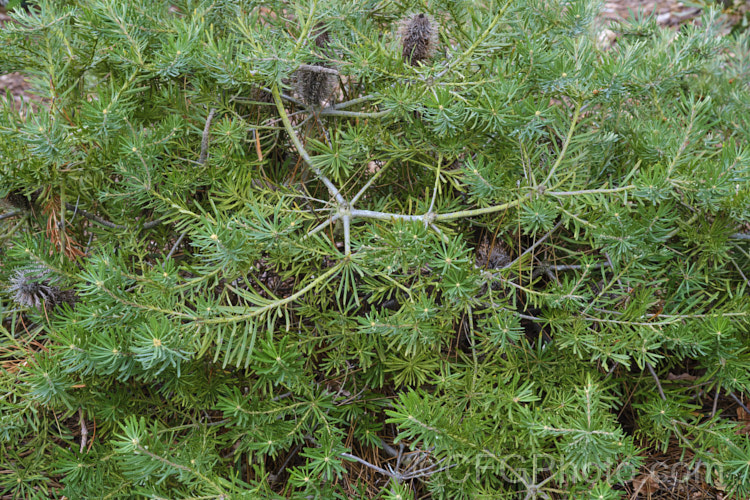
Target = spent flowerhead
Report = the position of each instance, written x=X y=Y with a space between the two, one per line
x=419 y=38
x=32 y=288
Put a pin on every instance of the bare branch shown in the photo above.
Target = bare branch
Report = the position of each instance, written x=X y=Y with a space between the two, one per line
x=176 y=244
x=656 y=378
x=317 y=69
x=206 y=137
x=11 y=214
x=106 y=223
x=94 y=217
x=371 y=466
x=84 y=429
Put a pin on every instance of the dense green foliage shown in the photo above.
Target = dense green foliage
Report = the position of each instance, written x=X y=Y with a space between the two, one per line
x=524 y=257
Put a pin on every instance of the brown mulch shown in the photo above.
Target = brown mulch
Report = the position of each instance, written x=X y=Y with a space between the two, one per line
x=19 y=89
x=668 y=12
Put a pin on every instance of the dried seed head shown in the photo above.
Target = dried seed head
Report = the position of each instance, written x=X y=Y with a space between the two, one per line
x=17 y=199
x=32 y=288
x=316 y=86
x=491 y=255
x=419 y=38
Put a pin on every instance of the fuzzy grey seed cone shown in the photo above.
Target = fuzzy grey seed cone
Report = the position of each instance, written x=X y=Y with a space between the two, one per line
x=314 y=87
x=419 y=38
x=31 y=288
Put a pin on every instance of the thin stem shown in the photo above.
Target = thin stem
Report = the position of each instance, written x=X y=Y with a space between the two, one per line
x=63 y=235
x=306 y=28
x=11 y=214
x=685 y=142
x=322 y=225
x=569 y=267
x=371 y=466
x=286 y=462
x=106 y=223
x=369 y=183
x=435 y=188
x=353 y=114
x=739 y=270
x=656 y=378
x=438 y=231
x=668 y=319
x=301 y=149
x=388 y=448
x=286 y=97
x=84 y=429
x=677 y=229
x=317 y=69
x=145 y=451
x=737 y=400
x=369 y=214
x=477 y=42
x=589 y=191
x=564 y=149
x=278 y=303
x=480 y=211
x=176 y=244
x=95 y=218
x=206 y=137
x=352 y=102
x=153 y=223
x=532 y=247
x=427 y=471
x=716 y=401
x=347 y=234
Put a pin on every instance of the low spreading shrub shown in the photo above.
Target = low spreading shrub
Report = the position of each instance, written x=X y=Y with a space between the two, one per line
x=330 y=249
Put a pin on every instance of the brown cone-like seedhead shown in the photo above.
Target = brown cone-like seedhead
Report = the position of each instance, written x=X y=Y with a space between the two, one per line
x=315 y=88
x=419 y=38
